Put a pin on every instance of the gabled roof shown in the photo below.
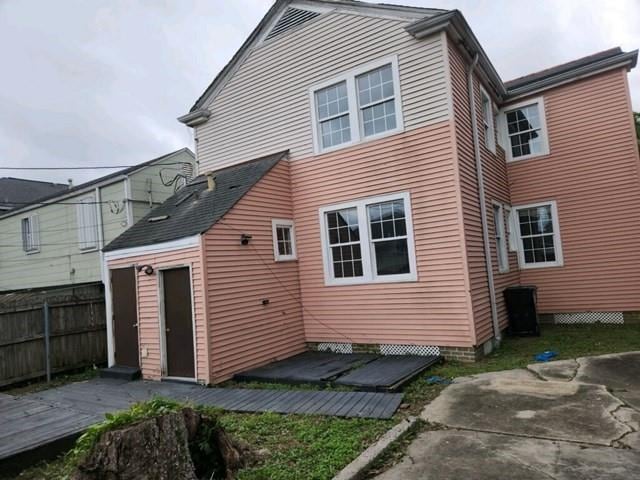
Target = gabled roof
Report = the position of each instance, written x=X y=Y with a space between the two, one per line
x=612 y=57
x=112 y=177
x=194 y=209
x=15 y=192
x=197 y=115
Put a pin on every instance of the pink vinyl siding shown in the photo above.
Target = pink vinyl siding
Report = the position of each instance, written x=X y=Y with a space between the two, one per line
x=244 y=333
x=592 y=173
x=431 y=311
x=496 y=190
x=149 y=308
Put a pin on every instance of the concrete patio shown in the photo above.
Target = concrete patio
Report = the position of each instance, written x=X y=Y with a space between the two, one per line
x=565 y=420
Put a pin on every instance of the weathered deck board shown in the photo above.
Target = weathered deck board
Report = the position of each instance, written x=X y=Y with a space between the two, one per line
x=37 y=419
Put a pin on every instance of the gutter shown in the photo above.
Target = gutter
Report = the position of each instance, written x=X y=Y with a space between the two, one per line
x=483 y=203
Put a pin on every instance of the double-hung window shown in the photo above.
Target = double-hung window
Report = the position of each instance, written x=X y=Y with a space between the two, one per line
x=360 y=105
x=284 y=241
x=488 y=121
x=368 y=240
x=500 y=238
x=525 y=129
x=30 y=234
x=87 y=214
x=538 y=232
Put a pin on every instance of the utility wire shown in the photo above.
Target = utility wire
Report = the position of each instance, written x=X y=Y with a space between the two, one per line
x=97 y=167
x=284 y=287
x=67 y=229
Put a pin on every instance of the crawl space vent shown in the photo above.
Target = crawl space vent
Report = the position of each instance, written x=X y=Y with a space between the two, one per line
x=291 y=18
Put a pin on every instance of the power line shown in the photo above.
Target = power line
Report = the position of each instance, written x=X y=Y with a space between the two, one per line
x=97 y=167
x=67 y=229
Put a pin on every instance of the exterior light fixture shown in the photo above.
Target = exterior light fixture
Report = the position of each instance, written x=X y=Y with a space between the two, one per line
x=244 y=239
x=148 y=269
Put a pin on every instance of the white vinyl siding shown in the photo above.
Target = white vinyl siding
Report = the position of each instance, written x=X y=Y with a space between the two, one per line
x=284 y=240
x=538 y=230
x=264 y=106
x=87 y=214
x=31 y=234
x=369 y=240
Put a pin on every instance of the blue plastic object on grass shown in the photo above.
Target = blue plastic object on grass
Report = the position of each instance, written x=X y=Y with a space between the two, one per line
x=546 y=356
x=438 y=380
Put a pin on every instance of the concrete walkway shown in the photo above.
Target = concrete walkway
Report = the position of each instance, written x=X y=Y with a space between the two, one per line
x=565 y=420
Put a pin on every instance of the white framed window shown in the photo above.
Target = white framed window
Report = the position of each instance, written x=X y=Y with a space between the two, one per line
x=500 y=238
x=284 y=240
x=362 y=104
x=524 y=127
x=488 y=121
x=538 y=231
x=30 y=234
x=87 y=214
x=368 y=240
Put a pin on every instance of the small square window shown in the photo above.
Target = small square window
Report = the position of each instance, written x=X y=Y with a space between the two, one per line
x=284 y=242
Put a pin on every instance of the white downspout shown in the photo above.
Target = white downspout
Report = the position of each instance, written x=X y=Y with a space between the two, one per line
x=483 y=206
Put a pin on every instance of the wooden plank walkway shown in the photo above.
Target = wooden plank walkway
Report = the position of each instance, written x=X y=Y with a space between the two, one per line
x=37 y=419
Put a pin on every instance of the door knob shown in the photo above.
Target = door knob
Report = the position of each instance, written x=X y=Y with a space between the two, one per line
x=167 y=329
x=135 y=325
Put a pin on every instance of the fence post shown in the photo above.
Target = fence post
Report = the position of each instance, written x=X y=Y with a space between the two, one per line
x=47 y=348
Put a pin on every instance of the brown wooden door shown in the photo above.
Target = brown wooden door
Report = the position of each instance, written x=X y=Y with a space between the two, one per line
x=125 y=316
x=178 y=323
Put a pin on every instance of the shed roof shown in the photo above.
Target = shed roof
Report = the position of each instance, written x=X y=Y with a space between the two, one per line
x=194 y=209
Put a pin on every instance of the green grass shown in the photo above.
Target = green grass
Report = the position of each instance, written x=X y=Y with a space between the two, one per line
x=57 y=380
x=312 y=447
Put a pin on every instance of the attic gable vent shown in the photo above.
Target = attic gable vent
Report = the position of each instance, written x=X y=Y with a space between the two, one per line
x=291 y=18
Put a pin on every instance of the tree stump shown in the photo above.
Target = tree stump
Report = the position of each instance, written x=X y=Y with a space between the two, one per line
x=178 y=445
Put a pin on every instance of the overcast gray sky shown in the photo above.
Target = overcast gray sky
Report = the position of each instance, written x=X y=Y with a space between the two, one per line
x=101 y=82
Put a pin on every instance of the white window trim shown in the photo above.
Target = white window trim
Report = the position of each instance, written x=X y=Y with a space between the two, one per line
x=275 y=223
x=34 y=226
x=502 y=254
x=355 y=123
x=512 y=241
x=489 y=141
x=81 y=244
x=557 y=240
x=368 y=259
x=543 y=128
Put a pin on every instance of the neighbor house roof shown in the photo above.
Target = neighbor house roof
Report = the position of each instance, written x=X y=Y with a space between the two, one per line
x=15 y=192
x=105 y=180
x=194 y=209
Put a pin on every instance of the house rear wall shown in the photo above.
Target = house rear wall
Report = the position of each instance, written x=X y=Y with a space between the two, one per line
x=593 y=174
x=244 y=333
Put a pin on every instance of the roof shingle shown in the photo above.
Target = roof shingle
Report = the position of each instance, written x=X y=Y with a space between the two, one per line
x=194 y=209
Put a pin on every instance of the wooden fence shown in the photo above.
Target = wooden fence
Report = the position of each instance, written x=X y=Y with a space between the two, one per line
x=35 y=344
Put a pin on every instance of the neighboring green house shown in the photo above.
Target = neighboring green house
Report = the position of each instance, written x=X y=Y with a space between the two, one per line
x=58 y=239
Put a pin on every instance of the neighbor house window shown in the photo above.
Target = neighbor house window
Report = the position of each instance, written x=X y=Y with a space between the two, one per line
x=500 y=238
x=525 y=127
x=487 y=121
x=284 y=242
x=368 y=240
x=538 y=235
x=30 y=234
x=87 y=214
x=356 y=106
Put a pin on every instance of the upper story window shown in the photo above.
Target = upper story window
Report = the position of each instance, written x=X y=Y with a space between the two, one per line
x=526 y=130
x=30 y=234
x=488 y=121
x=360 y=105
x=368 y=240
x=87 y=223
x=538 y=235
x=284 y=241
